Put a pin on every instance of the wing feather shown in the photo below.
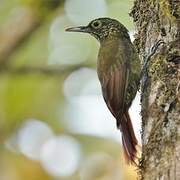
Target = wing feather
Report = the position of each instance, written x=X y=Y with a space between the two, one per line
x=114 y=86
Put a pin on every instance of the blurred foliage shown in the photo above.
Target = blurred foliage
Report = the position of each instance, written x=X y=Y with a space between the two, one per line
x=42 y=7
x=16 y=167
x=40 y=96
x=27 y=96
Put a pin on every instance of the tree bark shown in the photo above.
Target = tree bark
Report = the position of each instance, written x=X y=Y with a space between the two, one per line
x=155 y=20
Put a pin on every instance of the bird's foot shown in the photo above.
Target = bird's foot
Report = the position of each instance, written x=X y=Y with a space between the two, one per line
x=144 y=74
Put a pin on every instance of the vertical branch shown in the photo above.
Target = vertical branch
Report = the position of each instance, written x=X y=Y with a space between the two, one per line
x=15 y=31
x=156 y=20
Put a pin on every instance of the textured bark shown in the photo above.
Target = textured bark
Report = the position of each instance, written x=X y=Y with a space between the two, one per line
x=154 y=20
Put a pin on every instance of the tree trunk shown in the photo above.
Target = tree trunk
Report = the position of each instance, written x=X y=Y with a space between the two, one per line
x=155 y=20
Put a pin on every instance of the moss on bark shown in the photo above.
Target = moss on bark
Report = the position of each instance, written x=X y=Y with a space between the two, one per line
x=160 y=101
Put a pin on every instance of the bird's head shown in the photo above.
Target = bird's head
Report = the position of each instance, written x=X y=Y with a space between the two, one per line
x=102 y=28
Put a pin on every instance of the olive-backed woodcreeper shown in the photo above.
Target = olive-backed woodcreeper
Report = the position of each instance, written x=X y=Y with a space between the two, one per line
x=119 y=70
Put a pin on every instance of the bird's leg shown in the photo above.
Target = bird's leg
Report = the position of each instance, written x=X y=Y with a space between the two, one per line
x=146 y=61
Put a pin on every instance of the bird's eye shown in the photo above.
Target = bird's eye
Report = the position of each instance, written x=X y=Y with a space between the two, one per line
x=96 y=24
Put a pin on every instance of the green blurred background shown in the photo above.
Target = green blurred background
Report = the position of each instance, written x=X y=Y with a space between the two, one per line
x=53 y=121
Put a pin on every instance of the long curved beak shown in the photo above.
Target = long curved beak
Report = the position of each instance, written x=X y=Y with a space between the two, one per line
x=83 y=29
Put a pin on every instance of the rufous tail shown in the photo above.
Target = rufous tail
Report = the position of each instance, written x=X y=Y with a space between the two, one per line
x=129 y=140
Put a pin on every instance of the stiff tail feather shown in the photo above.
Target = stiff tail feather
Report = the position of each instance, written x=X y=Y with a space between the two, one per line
x=129 y=140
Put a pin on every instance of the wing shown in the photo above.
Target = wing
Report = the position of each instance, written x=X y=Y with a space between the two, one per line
x=114 y=85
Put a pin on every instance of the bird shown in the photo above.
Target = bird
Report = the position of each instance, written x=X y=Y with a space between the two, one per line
x=119 y=71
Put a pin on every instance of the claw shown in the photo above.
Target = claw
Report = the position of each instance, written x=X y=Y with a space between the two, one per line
x=155 y=47
x=146 y=60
